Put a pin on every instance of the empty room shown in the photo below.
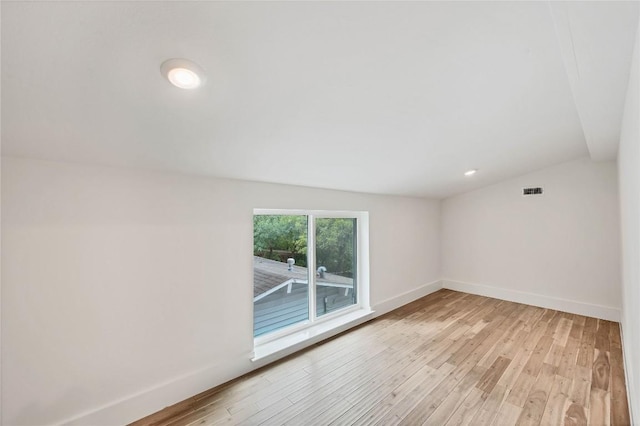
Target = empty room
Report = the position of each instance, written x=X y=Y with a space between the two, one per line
x=320 y=213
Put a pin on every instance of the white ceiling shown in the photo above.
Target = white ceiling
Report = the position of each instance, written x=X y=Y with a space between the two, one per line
x=383 y=97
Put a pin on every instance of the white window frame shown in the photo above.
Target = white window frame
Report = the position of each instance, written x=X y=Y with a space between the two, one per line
x=362 y=269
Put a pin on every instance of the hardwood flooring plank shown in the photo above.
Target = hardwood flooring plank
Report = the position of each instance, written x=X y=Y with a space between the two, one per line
x=534 y=364
x=575 y=415
x=561 y=333
x=263 y=397
x=427 y=406
x=513 y=344
x=379 y=410
x=581 y=386
x=479 y=339
x=614 y=335
x=518 y=394
x=399 y=411
x=534 y=407
x=558 y=396
x=449 y=348
x=601 y=373
x=447 y=359
x=554 y=356
x=591 y=325
x=512 y=336
x=577 y=327
x=466 y=412
x=344 y=389
x=600 y=406
x=220 y=418
x=510 y=341
x=348 y=371
x=568 y=360
x=265 y=414
x=488 y=307
x=619 y=406
x=369 y=394
x=521 y=358
x=548 y=315
x=440 y=342
x=585 y=353
x=532 y=315
x=455 y=398
x=211 y=411
x=602 y=336
x=489 y=409
x=508 y=415
x=620 y=412
x=490 y=378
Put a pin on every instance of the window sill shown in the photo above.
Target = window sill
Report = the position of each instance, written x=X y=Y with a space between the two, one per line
x=303 y=338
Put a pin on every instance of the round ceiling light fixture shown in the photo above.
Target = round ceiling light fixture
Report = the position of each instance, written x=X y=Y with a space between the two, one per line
x=470 y=172
x=182 y=73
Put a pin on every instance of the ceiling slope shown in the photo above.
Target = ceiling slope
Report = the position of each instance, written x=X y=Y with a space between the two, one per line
x=596 y=50
x=380 y=97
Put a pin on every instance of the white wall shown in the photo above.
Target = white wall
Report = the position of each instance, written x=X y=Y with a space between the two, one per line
x=116 y=282
x=560 y=250
x=629 y=175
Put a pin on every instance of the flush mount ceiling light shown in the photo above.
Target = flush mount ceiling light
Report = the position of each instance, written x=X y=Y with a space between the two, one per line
x=470 y=172
x=182 y=73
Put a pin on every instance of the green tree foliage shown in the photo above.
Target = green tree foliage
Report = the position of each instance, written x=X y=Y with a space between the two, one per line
x=279 y=237
x=335 y=241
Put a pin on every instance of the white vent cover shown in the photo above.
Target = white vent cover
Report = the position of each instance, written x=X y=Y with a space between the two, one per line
x=532 y=190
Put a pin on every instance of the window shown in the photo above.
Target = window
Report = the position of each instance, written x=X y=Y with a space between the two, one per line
x=308 y=266
x=336 y=263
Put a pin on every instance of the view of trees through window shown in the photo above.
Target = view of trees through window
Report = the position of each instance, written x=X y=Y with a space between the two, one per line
x=289 y=287
x=282 y=237
x=335 y=243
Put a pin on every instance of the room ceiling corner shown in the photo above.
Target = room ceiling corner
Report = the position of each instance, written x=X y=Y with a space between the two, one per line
x=595 y=44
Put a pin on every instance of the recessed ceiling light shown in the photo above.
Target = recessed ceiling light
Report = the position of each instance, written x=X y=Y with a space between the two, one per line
x=182 y=73
x=470 y=172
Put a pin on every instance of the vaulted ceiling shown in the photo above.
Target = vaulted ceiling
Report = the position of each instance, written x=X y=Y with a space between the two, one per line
x=381 y=97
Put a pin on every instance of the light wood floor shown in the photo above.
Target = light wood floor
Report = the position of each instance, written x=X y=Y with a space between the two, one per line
x=447 y=359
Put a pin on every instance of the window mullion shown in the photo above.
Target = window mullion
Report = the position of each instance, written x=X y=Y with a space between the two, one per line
x=311 y=262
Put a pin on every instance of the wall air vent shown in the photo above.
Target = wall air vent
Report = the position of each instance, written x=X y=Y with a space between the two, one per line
x=534 y=190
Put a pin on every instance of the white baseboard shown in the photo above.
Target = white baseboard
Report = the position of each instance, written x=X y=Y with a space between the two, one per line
x=571 y=306
x=151 y=400
x=634 y=402
x=145 y=402
x=407 y=297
